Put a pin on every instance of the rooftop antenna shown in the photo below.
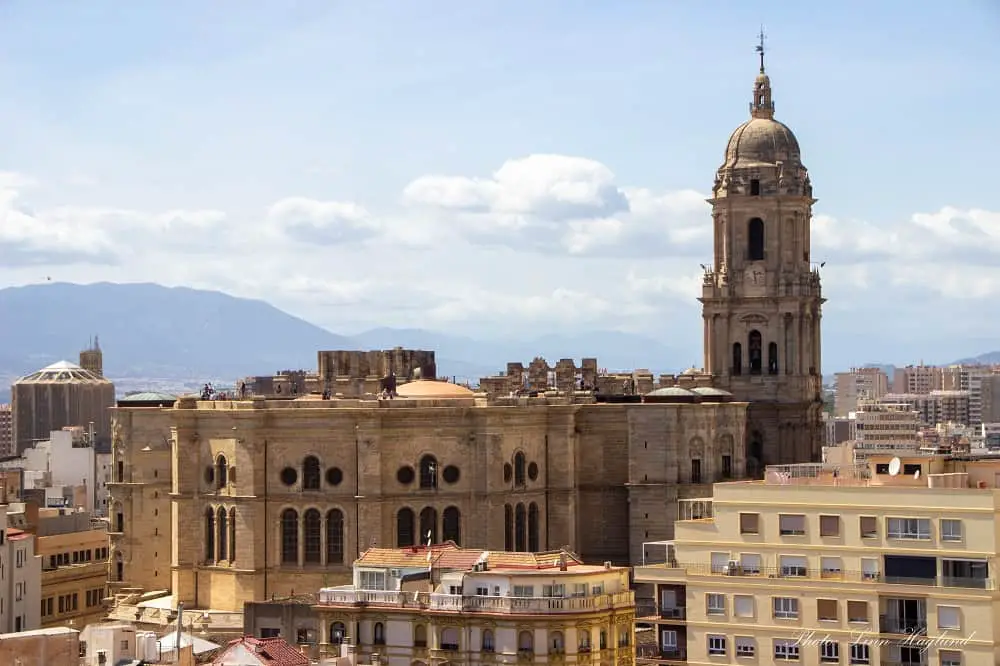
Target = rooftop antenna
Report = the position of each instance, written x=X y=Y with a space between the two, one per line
x=760 y=48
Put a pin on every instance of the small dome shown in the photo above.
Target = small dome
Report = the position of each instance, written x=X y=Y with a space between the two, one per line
x=432 y=389
x=671 y=392
x=712 y=394
x=693 y=371
x=762 y=141
x=148 y=396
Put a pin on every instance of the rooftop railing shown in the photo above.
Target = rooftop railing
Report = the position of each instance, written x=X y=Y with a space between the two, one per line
x=348 y=596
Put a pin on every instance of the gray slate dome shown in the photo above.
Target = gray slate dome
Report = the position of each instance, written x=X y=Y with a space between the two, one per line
x=712 y=394
x=671 y=394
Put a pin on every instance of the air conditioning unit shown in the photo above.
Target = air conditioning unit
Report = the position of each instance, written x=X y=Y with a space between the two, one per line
x=733 y=568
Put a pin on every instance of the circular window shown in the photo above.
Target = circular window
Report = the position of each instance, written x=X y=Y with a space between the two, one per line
x=209 y=474
x=289 y=476
x=508 y=472
x=334 y=476
x=450 y=474
x=533 y=471
x=405 y=475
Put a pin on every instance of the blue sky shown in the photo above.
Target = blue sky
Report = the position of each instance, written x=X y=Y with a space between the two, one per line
x=276 y=150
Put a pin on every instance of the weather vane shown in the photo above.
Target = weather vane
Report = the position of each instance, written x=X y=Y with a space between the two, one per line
x=760 y=48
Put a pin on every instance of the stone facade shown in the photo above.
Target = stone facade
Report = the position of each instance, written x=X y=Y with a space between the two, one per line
x=761 y=298
x=268 y=498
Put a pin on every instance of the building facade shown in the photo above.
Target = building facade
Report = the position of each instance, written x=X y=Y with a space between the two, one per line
x=6 y=430
x=443 y=604
x=891 y=562
x=761 y=297
x=20 y=579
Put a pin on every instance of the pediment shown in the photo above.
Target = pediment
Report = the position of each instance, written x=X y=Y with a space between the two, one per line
x=753 y=318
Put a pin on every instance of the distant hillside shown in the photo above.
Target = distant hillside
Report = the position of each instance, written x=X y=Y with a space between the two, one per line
x=151 y=331
x=989 y=358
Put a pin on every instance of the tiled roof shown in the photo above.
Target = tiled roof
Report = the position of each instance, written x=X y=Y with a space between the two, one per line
x=269 y=651
x=449 y=556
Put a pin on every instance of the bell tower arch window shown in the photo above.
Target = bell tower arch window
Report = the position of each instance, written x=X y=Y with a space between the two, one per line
x=772 y=358
x=737 y=358
x=754 y=347
x=755 y=239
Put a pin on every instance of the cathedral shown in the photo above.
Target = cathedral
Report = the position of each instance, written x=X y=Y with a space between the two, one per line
x=275 y=490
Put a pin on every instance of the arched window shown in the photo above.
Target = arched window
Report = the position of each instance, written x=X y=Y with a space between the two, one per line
x=221 y=471
x=451 y=525
x=428 y=472
x=755 y=239
x=772 y=358
x=557 y=645
x=428 y=525
x=310 y=473
x=533 y=528
x=737 y=358
x=119 y=567
x=378 y=633
x=519 y=465
x=420 y=636
x=223 y=529
x=449 y=638
x=232 y=534
x=338 y=632
x=525 y=642
x=312 y=526
x=754 y=347
x=404 y=528
x=209 y=534
x=119 y=517
x=489 y=645
x=289 y=537
x=508 y=528
x=335 y=536
x=520 y=529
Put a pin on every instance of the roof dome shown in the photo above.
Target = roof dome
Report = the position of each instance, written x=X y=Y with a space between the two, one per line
x=432 y=389
x=712 y=394
x=761 y=141
x=671 y=394
x=693 y=371
x=63 y=372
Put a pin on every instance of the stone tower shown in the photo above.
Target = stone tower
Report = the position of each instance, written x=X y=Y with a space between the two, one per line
x=92 y=359
x=761 y=298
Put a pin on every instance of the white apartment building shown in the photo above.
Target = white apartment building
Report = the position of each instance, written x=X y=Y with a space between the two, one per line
x=857 y=385
x=20 y=580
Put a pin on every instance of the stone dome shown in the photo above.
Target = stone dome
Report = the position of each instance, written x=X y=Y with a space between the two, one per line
x=761 y=141
x=671 y=394
x=712 y=394
x=433 y=389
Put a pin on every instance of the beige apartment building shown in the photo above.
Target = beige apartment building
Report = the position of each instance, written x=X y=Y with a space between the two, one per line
x=860 y=384
x=890 y=563
x=468 y=606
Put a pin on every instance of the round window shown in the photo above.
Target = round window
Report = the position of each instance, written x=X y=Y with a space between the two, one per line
x=334 y=476
x=289 y=476
x=450 y=474
x=405 y=475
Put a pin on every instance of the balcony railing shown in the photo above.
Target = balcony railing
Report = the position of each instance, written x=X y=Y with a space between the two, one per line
x=348 y=596
x=796 y=573
x=890 y=624
x=658 y=653
x=648 y=608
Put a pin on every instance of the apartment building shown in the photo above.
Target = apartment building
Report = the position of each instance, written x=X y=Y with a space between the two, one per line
x=446 y=604
x=888 y=563
x=857 y=385
x=919 y=379
x=6 y=430
x=934 y=407
x=20 y=578
x=882 y=426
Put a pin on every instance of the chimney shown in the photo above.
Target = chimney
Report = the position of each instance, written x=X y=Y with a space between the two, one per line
x=562 y=562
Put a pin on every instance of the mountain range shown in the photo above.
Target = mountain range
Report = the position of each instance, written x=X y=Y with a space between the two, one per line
x=151 y=331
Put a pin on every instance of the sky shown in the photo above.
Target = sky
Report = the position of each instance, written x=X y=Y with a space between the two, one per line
x=502 y=168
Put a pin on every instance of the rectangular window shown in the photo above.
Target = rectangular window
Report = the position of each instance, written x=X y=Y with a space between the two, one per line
x=786 y=649
x=727 y=467
x=750 y=564
x=829 y=652
x=372 y=580
x=949 y=617
x=827 y=610
x=857 y=611
x=909 y=528
x=869 y=568
x=950 y=657
x=869 y=527
x=695 y=471
x=791 y=525
x=716 y=645
x=830 y=567
x=829 y=526
x=746 y=646
x=523 y=591
x=860 y=653
x=794 y=565
x=743 y=605
x=786 y=608
x=749 y=523
x=715 y=604
x=951 y=530
x=482 y=591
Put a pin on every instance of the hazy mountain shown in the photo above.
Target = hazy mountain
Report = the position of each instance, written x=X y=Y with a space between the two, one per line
x=150 y=331
x=989 y=358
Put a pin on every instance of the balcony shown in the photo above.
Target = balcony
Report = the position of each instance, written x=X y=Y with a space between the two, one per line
x=648 y=609
x=679 y=572
x=348 y=596
x=903 y=662
x=654 y=654
x=906 y=626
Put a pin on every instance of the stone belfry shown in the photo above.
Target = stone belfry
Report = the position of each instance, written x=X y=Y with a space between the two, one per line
x=761 y=298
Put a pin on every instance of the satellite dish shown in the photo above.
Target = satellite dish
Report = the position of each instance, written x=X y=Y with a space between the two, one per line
x=894 y=466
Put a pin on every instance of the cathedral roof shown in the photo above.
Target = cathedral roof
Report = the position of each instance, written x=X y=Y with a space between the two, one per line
x=761 y=141
x=62 y=372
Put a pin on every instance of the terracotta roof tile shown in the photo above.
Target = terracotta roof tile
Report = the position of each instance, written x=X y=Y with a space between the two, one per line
x=270 y=651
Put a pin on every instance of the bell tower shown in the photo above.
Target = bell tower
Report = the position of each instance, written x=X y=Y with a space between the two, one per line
x=761 y=297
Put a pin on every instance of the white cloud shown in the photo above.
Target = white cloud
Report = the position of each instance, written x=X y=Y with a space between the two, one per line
x=546 y=242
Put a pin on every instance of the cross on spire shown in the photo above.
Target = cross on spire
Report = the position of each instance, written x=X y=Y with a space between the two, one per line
x=760 y=48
